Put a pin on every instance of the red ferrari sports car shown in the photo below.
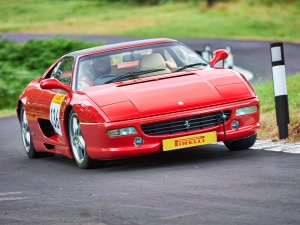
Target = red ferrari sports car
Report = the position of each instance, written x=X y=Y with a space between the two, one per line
x=136 y=98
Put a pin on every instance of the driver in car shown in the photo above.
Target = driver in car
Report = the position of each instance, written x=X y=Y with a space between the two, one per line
x=94 y=71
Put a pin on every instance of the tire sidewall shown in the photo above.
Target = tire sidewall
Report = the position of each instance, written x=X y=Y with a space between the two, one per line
x=31 y=153
x=86 y=163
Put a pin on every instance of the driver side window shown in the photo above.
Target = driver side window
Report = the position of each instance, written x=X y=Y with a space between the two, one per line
x=63 y=70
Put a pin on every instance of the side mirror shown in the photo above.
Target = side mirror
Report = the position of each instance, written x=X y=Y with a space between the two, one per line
x=218 y=55
x=52 y=83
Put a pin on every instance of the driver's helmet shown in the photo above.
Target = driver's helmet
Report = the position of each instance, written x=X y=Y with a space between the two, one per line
x=100 y=66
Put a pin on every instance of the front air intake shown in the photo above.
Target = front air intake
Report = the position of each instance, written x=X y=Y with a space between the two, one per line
x=185 y=124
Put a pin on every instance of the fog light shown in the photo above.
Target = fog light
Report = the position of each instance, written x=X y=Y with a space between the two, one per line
x=138 y=141
x=235 y=124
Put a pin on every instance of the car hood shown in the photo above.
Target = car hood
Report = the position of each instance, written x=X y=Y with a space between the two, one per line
x=165 y=94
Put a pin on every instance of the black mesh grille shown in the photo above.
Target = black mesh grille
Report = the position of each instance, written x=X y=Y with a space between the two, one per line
x=185 y=124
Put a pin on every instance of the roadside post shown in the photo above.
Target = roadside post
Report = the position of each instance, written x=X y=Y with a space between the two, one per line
x=280 y=89
x=206 y=53
x=229 y=60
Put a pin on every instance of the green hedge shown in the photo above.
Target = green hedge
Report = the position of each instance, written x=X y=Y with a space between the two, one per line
x=21 y=63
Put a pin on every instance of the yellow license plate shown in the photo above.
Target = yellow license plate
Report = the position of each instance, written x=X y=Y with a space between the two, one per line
x=189 y=141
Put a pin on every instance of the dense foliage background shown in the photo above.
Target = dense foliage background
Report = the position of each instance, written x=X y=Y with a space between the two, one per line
x=21 y=63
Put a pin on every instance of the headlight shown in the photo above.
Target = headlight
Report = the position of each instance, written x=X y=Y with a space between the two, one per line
x=246 y=110
x=121 y=132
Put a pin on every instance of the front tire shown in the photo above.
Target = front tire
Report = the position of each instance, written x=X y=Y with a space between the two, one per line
x=241 y=144
x=77 y=142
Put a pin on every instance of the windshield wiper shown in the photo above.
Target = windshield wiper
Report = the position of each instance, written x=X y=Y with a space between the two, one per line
x=132 y=75
x=191 y=65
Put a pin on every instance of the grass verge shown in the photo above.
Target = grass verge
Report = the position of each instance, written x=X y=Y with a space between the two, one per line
x=7 y=113
x=239 y=19
x=269 y=129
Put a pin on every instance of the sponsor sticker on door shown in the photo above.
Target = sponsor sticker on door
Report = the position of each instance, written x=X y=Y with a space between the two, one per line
x=189 y=141
x=55 y=112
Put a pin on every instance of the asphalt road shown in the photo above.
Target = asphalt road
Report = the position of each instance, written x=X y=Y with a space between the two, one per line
x=203 y=185
x=253 y=56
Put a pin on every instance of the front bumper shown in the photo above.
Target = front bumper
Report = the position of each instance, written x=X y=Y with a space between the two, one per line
x=101 y=146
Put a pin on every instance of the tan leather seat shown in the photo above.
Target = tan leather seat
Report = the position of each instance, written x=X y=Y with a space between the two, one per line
x=152 y=62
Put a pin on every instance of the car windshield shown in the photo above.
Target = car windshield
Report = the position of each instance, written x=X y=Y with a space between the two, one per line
x=136 y=62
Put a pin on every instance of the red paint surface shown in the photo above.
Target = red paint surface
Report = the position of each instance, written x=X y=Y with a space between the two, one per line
x=141 y=101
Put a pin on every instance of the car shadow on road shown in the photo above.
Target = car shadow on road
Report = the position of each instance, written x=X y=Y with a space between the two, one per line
x=196 y=156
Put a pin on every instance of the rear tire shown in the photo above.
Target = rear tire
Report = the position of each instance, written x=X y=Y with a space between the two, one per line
x=77 y=143
x=27 y=138
x=26 y=135
x=241 y=144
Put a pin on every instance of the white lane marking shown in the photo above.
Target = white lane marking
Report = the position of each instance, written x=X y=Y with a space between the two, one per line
x=10 y=193
x=142 y=207
x=277 y=146
x=12 y=199
x=9 y=196
x=179 y=215
x=292 y=149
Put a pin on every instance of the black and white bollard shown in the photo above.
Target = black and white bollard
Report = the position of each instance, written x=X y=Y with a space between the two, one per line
x=280 y=89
